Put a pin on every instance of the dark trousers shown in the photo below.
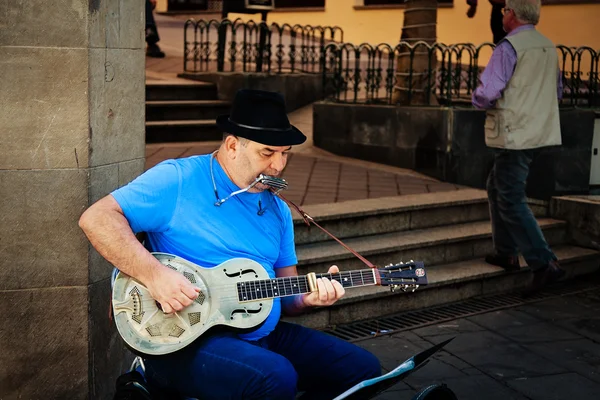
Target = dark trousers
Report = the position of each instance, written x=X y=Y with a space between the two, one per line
x=514 y=227
x=151 y=31
x=291 y=358
x=496 y=23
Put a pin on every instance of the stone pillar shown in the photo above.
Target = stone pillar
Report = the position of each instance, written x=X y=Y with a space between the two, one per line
x=71 y=130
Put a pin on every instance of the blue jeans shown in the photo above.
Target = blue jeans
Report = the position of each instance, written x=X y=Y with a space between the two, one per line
x=291 y=358
x=514 y=227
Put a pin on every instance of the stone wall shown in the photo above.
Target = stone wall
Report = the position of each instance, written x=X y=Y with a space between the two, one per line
x=555 y=170
x=448 y=144
x=298 y=89
x=72 y=117
x=583 y=215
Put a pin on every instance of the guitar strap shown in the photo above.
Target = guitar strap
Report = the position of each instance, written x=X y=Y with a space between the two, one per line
x=309 y=220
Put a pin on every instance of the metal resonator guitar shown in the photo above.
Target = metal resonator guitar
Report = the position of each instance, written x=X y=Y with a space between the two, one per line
x=236 y=294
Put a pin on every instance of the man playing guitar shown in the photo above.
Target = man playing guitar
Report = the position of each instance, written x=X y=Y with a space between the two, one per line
x=208 y=209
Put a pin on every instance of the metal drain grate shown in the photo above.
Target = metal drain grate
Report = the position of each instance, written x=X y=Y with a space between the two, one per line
x=357 y=331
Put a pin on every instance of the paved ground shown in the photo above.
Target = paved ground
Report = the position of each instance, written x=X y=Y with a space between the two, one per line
x=548 y=350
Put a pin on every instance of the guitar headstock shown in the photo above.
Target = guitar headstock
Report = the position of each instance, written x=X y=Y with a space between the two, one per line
x=404 y=276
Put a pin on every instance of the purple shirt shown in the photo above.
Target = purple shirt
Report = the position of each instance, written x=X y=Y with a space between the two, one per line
x=498 y=72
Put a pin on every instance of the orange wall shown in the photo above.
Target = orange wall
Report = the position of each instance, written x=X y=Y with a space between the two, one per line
x=571 y=25
x=162 y=5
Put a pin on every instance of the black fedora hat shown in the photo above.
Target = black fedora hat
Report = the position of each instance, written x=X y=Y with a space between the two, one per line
x=260 y=116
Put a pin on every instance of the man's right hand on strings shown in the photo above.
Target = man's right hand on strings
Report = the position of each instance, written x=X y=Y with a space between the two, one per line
x=171 y=289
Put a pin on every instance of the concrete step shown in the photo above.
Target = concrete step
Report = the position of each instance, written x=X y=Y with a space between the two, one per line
x=182 y=131
x=186 y=109
x=447 y=283
x=433 y=246
x=156 y=91
x=390 y=214
x=397 y=213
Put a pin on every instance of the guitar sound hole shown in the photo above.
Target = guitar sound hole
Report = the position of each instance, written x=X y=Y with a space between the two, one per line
x=246 y=311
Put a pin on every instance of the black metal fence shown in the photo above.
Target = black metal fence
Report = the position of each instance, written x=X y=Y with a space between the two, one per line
x=238 y=46
x=438 y=73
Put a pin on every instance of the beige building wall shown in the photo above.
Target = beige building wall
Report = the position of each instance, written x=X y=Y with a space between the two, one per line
x=571 y=25
x=162 y=5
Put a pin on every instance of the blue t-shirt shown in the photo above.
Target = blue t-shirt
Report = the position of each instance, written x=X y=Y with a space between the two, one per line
x=174 y=203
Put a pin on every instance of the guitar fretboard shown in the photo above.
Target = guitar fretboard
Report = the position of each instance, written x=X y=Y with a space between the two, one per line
x=293 y=285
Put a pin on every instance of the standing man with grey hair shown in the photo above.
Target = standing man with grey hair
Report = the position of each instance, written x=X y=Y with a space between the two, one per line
x=520 y=91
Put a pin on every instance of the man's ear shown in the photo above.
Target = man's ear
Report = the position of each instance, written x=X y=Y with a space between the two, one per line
x=232 y=146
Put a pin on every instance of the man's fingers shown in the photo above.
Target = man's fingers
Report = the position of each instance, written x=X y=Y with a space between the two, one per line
x=333 y=269
x=330 y=289
x=184 y=299
x=166 y=308
x=339 y=289
x=321 y=290
x=177 y=302
x=190 y=291
x=176 y=305
x=326 y=290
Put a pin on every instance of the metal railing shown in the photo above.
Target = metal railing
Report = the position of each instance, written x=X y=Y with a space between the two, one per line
x=439 y=74
x=238 y=46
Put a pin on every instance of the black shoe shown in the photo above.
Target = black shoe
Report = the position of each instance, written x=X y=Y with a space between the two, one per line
x=154 y=51
x=545 y=276
x=508 y=263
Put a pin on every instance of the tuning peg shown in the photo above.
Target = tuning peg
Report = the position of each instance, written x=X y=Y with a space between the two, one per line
x=404 y=288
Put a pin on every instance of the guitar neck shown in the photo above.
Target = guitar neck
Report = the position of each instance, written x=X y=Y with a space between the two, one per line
x=293 y=285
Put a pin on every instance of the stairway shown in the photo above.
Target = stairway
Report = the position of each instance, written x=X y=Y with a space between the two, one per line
x=451 y=234
x=183 y=112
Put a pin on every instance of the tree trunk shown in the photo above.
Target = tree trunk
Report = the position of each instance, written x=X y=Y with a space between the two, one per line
x=413 y=86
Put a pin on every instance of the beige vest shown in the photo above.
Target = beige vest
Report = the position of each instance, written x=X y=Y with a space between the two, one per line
x=526 y=116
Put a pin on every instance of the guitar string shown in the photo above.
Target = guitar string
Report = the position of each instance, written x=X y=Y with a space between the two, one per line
x=286 y=285
x=286 y=280
x=286 y=289
x=264 y=291
x=262 y=286
x=360 y=274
